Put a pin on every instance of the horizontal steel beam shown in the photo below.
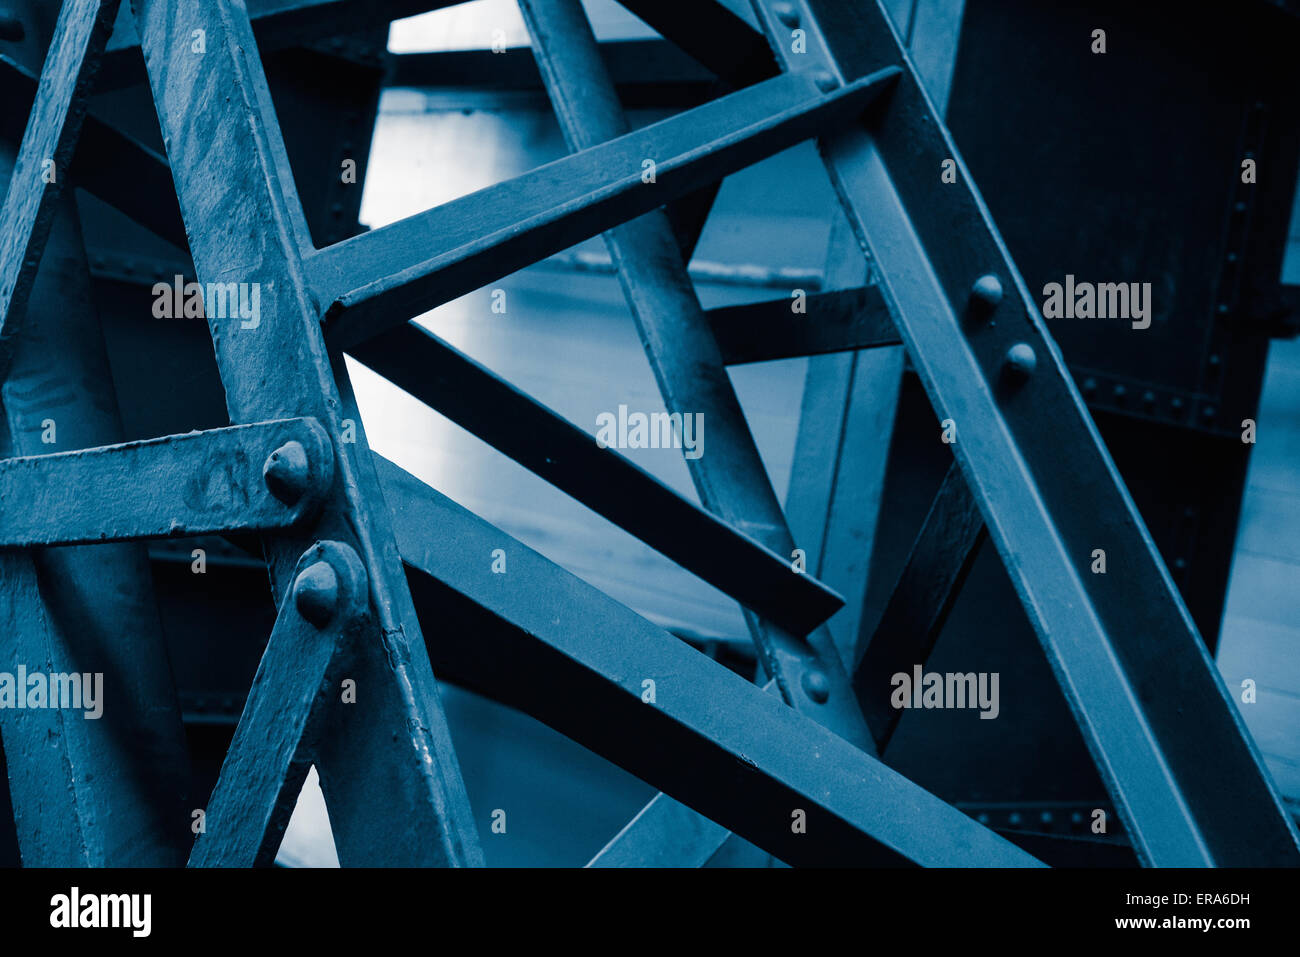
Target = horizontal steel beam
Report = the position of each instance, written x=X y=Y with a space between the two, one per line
x=605 y=481
x=838 y=321
x=239 y=479
x=295 y=685
x=108 y=164
x=388 y=275
x=544 y=641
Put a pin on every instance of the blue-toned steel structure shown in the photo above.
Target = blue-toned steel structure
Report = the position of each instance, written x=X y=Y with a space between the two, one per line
x=380 y=579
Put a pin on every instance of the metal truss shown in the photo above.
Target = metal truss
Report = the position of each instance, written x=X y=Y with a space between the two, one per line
x=355 y=547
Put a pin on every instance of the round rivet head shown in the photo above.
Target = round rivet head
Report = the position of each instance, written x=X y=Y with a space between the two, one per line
x=825 y=80
x=287 y=473
x=816 y=686
x=316 y=593
x=985 y=295
x=1020 y=361
x=787 y=13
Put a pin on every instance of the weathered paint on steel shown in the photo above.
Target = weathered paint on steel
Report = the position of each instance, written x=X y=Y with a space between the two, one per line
x=176 y=486
x=1144 y=691
x=718 y=743
x=393 y=273
x=391 y=780
x=417 y=361
x=41 y=169
x=285 y=717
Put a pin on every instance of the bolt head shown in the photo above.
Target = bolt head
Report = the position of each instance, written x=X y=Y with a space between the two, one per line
x=287 y=472
x=316 y=593
x=1020 y=361
x=986 y=293
x=787 y=13
x=816 y=685
x=825 y=80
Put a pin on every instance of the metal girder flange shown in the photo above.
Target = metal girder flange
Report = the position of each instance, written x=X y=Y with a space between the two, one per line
x=244 y=478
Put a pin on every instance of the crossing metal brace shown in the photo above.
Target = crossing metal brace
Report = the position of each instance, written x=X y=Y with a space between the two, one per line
x=389 y=774
x=285 y=716
x=791 y=766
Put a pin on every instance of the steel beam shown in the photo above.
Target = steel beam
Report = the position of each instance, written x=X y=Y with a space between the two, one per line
x=841 y=321
x=664 y=833
x=277 y=24
x=108 y=163
x=940 y=559
x=245 y=478
x=388 y=771
x=605 y=481
x=388 y=275
x=1143 y=689
x=846 y=426
x=712 y=35
x=45 y=154
x=542 y=640
x=650 y=64
x=106 y=786
x=730 y=479
x=279 y=732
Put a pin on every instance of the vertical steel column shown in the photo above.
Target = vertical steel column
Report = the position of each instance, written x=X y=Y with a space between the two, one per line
x=729 y=476
x=388 y=770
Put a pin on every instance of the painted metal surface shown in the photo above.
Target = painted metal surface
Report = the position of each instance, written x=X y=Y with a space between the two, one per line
x=1030 y=467
x=601 y=478
x=247 y=478
x=392 y=795
x=297 y=683
x=1124 y=648
x=730 y=750
x=391 y=274
x=40 y=170
x=904 y=636
x=731 y=480
x=841 y=320
x=112 y=789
